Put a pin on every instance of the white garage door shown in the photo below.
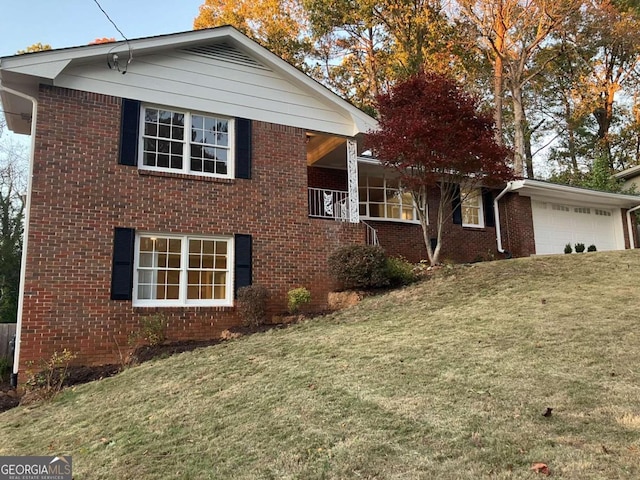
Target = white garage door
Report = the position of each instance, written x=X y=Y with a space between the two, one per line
x=556 y=224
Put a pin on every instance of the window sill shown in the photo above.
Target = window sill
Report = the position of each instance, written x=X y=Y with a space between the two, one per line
x=184 y=176
x=394 y=220
x=174 y=308
x=475 y=228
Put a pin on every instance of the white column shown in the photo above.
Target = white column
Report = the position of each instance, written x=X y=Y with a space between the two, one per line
x=352 y=180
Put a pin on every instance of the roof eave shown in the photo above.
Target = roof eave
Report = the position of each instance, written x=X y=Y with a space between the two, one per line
x=530 y=187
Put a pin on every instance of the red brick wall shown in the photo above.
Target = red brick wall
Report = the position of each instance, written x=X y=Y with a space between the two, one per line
x=80 y=194
x=463 y=244
x=516 y=220
x=328 y=178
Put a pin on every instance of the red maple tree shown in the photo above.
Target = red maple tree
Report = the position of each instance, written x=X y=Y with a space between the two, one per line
x=433 y=134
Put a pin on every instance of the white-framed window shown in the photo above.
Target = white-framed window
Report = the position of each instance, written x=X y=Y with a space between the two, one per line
x=382 y=197
x=178 y=270
x=186 y=142
x=472 y=208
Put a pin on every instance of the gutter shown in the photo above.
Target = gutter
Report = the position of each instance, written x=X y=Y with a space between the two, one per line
x=632 y=243
x=25 y=234
x=496 y=214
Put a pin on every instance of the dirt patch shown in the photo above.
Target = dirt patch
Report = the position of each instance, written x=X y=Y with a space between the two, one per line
x=9 y=398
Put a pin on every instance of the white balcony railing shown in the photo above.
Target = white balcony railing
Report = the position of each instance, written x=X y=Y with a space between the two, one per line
x=334 y=204
x=324 y=203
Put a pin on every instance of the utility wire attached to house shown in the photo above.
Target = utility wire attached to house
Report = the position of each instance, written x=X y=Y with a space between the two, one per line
x=112 y=61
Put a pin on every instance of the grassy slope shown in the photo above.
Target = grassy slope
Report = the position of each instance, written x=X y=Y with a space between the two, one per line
x=447 y=379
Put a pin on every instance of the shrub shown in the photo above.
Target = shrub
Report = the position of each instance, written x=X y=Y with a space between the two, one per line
x=399 y=271
x=567 y=248
x=298 y=297
x=359 y=266
x=591 y=248
x=49 y=380
x=152 y=331
x=579 y=247
x=252 y=304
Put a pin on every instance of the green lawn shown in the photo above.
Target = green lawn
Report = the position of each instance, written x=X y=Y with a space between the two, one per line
x=447 y=379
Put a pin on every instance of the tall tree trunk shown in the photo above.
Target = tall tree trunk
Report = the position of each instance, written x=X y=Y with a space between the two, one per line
x=498 y=80
x=571 y=136
x=518 y=134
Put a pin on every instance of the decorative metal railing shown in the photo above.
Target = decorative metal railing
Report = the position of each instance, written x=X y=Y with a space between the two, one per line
x=325 y=203
x=334 y=204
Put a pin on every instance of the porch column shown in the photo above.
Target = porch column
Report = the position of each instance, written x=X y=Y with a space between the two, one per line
x=352 y=180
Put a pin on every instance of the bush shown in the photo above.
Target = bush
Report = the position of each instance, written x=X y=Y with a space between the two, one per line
x=46 y=383
x=567 y=248
x=399 y=271
x=252 y=304
x=579 y=247
x=591 y=248
x=152 y=331
x=297 y=297
x=359 y=266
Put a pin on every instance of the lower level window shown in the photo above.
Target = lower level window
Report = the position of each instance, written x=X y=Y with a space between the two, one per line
x=182 y=270
x=384 y=197
x=472 y=214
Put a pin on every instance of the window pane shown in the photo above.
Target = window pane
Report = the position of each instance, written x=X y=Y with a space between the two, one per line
x=174 y=261
x=219 y=292
x=208 y=247
x=173 y=292
x=195 y=246
x=151 y=129
x=223 y=139
x=376 y=195
x=221 y=248
x=194 y=261
x=193 y=277
x=193 y=292
x=207 y=261
x=376 y=182
x=146 y=259
x=221 y=262
x=175 y=245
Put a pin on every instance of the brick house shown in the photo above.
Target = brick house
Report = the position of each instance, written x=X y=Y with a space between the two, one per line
x=164 y=183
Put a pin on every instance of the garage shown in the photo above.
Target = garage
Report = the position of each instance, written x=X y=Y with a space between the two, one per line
x=555 y=224
x=562 y=214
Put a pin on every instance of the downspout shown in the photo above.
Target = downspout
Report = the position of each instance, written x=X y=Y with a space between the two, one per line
x=632 y=243
x=25 y=233
x=496 y=214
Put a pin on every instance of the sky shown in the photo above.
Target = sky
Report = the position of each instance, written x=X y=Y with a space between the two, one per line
x=70 y=23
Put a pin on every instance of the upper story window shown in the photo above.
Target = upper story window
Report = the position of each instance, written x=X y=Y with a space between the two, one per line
x=186 y=142
x=472 y=208
x=383 y=198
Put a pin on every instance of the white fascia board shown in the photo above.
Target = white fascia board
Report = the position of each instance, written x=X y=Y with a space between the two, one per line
x=628 y=173
x=566 y=193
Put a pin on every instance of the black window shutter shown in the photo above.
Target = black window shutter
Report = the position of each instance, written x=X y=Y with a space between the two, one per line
x=457 y=206
x=122 y=269
x=129 y=125
x=243 y=247
x=243 y=148
x=487 y=205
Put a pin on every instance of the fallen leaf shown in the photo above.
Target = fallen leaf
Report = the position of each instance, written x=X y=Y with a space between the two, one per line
x=542 y=468
x=547 y=413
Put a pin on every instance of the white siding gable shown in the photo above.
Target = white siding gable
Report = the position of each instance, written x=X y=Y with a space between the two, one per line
x=215 y=78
